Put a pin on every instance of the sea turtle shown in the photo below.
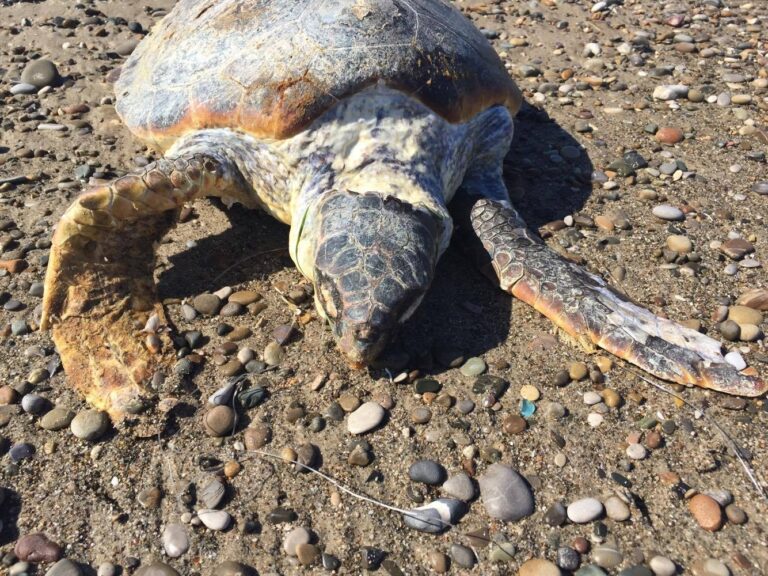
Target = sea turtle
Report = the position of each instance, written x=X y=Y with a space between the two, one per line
x=355 y=122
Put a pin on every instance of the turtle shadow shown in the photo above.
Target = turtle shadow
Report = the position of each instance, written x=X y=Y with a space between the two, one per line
x=254 y=246
x=548 y=175
x=10 y=510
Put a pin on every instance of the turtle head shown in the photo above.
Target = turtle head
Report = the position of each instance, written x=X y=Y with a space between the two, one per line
x=373 y=260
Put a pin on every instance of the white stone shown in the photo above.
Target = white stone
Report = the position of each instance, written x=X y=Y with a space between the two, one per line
x=294 y=538
x=594 y=419
x=662 y=566
x=365 y=418
x=591 y=398
x=616 y=509
x=585 y=510
x=636 y=451
x=175 y=540
x=736 y=360
x=214 y=519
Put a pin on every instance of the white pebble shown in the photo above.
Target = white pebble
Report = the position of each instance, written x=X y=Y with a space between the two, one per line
x=584 y=510
x=594 y=419
x=365 y=418
x=662 y=566
x=214 y=519
x=591 y=398
x=636 y=451
x=736 y=360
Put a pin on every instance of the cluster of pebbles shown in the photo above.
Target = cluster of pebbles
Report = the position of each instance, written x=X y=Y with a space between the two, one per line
x=518 y=459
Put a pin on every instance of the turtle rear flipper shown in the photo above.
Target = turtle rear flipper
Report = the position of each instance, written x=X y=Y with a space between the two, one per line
x=99 y=288
x=587 y=308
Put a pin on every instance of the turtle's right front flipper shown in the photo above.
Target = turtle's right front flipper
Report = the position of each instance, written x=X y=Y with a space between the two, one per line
x=584 y=306
x=99 y=287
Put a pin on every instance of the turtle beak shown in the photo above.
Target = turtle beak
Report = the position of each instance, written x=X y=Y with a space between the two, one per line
x=374 y=261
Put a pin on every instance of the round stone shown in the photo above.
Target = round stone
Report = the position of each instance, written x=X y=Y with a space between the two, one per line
x=706 y=511
x=460 y=486
x=514 y=424
x=585 y=510
x=662 y=566
x=669 y=135
x=554 y=411
x=555 y=514
x=274 y=354
x=680 y=244
x=365 y=418
x=206 y=304
x=156 y=569
x=667 y=212
x=745 y=315
x=438 y=561
x=257 y=436
x=578 y=371
x=709 y=567
x=64 y=567
x=40 y=73
x=616 y=509
x=427 y=472
x=89 y=424
x=175 y=540
x=37 y=548
x=538 y=567
x=530 y=393
x=505 y=493
x=730 y=330
x=231 y=568
x=735 y=514
x=750 y=332
x=214 y=519
x=607 y=556
x=308 y=554
x=636 y=451
x=299 y=535
x=34 y=403
x=219 y=421
x=473 y=367
x=568 y=558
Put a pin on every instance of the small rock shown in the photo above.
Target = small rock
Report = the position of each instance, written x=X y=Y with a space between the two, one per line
x=365 y=418
x=37 y=548
x=745 y=315
x=211 y=495
x=89 y=424
x=679 y=244
x=473 y=367
x=274 y=354
x=667 y=212
x=40 y=73
x=709 y=567
x=427 y=472
x=295 y=537
x=707 y=512
x=585 y=510
x=156 y=569
x=214 y=519
x=175 y=540
x=219 y=421
x=616 y=509
x=662 y=566
x=64 y=567
x=435 y=517
x=460 y=486
x=538 y=567
x=231 y=568
x=505 y=493
x=206 y=304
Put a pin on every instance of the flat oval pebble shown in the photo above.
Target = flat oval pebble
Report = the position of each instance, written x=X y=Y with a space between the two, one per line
x=463 y=556
x=214 y=519
x=616 y=509
x=435 y=517
x=231 y=568
x=706 y=511
x=175 y=540
x=636 y=451
x=505 y=493
x=473 y=367
x=460 y=486
x=709 y=567
x=365 y=418
x=538 y=567
x=211 y=495
x=502 y=552
x=427 y=472
x=37 y=547
x=589 y=570
x=156 y=569
x=64 y=567
x=607 y=556
x=584 y=510
x=219 y=421
x=662 y=566
x=56 y=419
x=89 y=424
x=40 y=73
x=667 y=212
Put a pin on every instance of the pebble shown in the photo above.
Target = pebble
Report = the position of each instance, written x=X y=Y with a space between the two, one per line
x=616 y=509
x=709 y=567
x=214 y=519
x=736 y=360
x=231 y=568
x=365 y=418
x=706 y=511
x=206 y=304
x=636 y=451
x=40 y=73
x=21 y=451
x=34 y=404
x=589 y=570
x=64 y=567
x=438 y=561
x=745 y=315
x=89 y=424
x=760 y=187
x=735 y=514
x=37 y=548
x=299 y=535
x=502 y=552
x=211 y=495
x=607 y=556
x=667 y=212
x=530 y=393
x=257 y=436
x=463 y=556
x=435 y=517
x=505 y=493
x=156 y=569
x=274 y=354
x=427 y=472
x=680 y=244
x=513 y=424
x=669 y=135
x=585 y=510
x=219 y=421
x=473 y=367
x=175 y=540
x=23 y=88
x=578 y=371
x=460 y=486
x=670 y=92
x=591 y=398
x=555 y=514
x=568 y=558
x=538 y=567
x=662 y=566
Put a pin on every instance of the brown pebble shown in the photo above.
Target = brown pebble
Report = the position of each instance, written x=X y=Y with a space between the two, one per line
x=653 y=439
x=604 y=363
x=232 y=468
x=578 y=371
x=742 y=561
x=257 y=436
x=611 y=398
x=756 y=298
x=707 y=512
x=514 y=424
x=348 y=402
x=13 y=266
x=307 y=554
x=244 y=297
x=8 y=395
x=669 y=135
x=219 y=421
x=735 y=514
x=669 y=478
x=239 y=333
x=538 y=567
x=438 y=561
x=232 y=368
x=581 y=545
x=37 y=548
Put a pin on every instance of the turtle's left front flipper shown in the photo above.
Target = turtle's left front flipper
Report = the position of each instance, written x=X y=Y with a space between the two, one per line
x=99 y=287
x=584 y=306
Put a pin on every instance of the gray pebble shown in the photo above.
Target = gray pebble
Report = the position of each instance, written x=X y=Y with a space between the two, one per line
x=175 y=540
x=212 y=494
x=230 y=568
x=57 y=419
x=214 y=519
x=463 y=556
x=667 y=212
x=505 y=493
x=427 y=472
x=23 y=88
x=223 y=396
x=760 y=187
x=89 y=424
x=473 y=367
x=34 y=404
x=40 y=73
x=19 y=327
x=568 y=558
x=207 y=304
x=299 y=535
x=64 y=567
x=156 y=569
x=106 y=569
x=460 y=486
